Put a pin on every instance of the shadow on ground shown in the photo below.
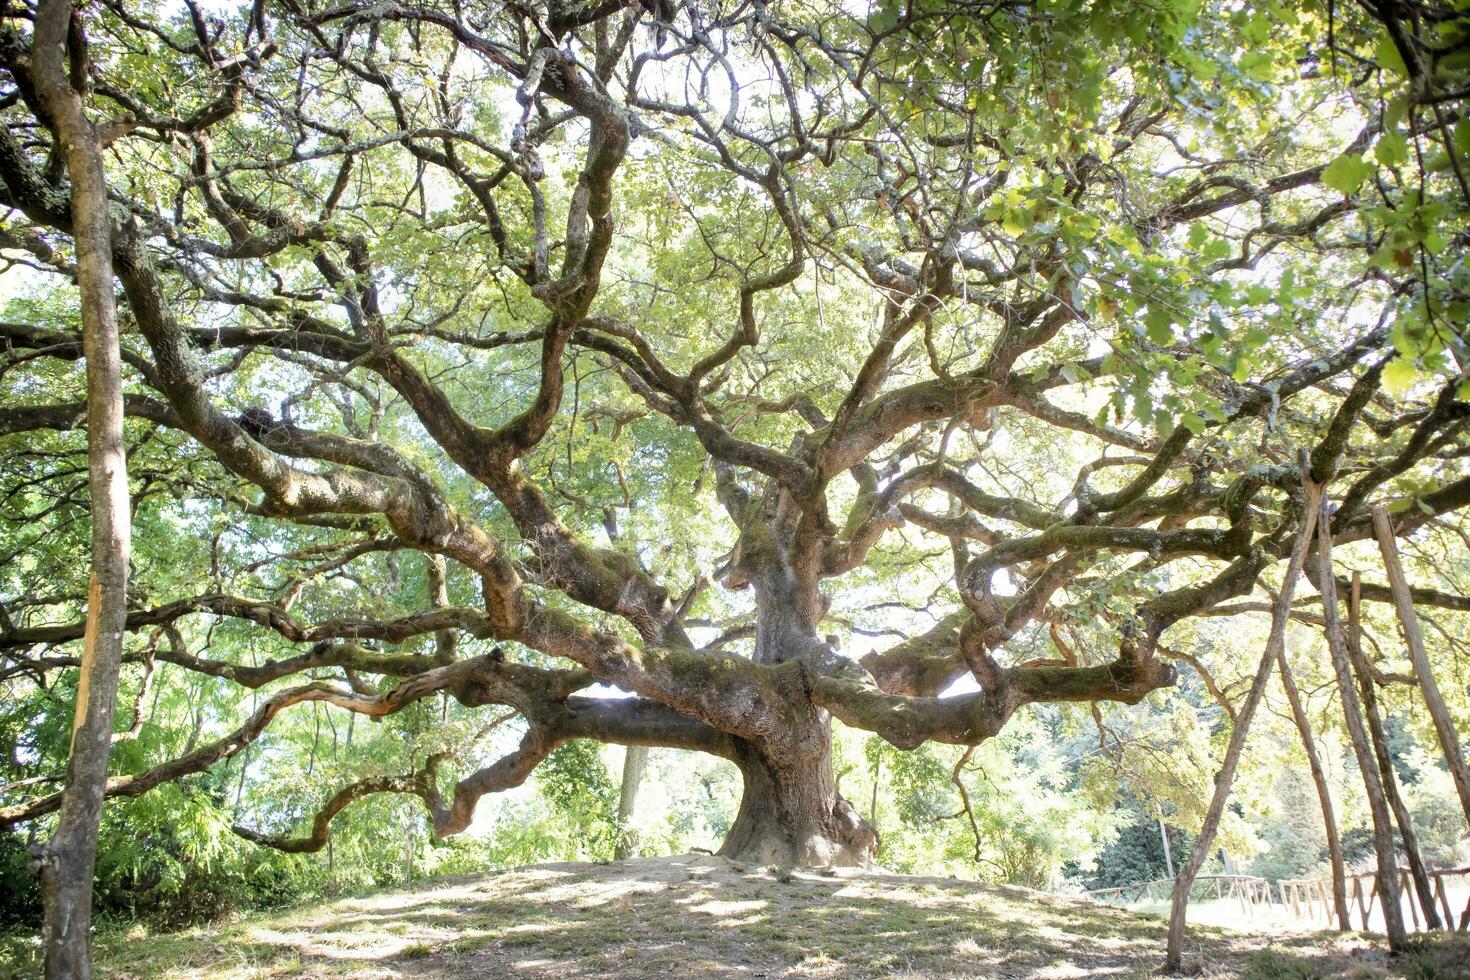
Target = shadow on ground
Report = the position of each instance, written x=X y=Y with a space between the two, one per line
x=705 y=917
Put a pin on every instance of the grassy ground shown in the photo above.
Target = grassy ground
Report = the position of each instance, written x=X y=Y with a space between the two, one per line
x=705 y=917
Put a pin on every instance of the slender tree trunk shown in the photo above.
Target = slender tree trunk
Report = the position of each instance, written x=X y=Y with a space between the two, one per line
x=1415 y=857
x=67 y=860
x=1444 y=726
x=1388 y=870
x=1324 y=795
x=877 y=779
x=1280 y=614
x=408 y=842
x=240 y=784
x=635 y=759
x=198 y=720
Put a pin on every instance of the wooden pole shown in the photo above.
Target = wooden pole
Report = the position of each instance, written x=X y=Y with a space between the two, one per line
x=1449 y=914
x=1380 y=750
x=1174 y=953
x=1403 y=884
x=1324 y=795
x=1164 y=835
x=1444 y=726
x=1393 y=915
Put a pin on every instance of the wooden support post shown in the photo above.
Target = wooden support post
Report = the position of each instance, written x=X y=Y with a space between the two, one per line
x=1403 y=883
x=1364 y=670
x=1444 y=898
x=1444 y=727
x=1393 y=917
x=1164 y=836
x=1324 y=795
x=1174 y=955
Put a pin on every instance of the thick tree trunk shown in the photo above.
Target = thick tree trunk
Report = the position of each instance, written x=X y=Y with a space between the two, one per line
x=67 y=860
x=791 y=813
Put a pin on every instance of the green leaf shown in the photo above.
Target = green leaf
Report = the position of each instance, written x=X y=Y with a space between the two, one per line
x=1075 y=373
x=1256 y=65
x=1194 y=423
x=1217 y=249
x=1388 y=57
x=1160 y=326
x=1392 y=149
x=1399 y=375
x=1346 y=173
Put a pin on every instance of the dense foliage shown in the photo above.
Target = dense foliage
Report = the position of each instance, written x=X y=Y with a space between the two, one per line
x=508 y=383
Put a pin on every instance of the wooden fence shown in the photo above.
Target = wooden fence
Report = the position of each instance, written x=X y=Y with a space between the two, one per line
x=1307 y=898
x=1314 y=897
x=1249 y=890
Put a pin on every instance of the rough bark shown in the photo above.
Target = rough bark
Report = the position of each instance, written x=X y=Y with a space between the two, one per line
x=791 y=813
x=66 y=861
x=1280 y=615
x=1388 y=871
x=1444 y=725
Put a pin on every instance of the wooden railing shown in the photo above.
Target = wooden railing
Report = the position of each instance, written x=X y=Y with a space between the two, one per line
x=1249 y=890
x=1314 y=895
x=1307 y=898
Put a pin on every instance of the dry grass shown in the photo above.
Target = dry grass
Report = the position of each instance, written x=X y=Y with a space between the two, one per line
x=705 y=917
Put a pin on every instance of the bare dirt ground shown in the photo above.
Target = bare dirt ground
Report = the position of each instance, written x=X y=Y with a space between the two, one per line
x=705 y=917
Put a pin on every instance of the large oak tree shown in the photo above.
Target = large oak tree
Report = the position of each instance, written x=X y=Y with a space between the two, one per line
x=544 y=292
